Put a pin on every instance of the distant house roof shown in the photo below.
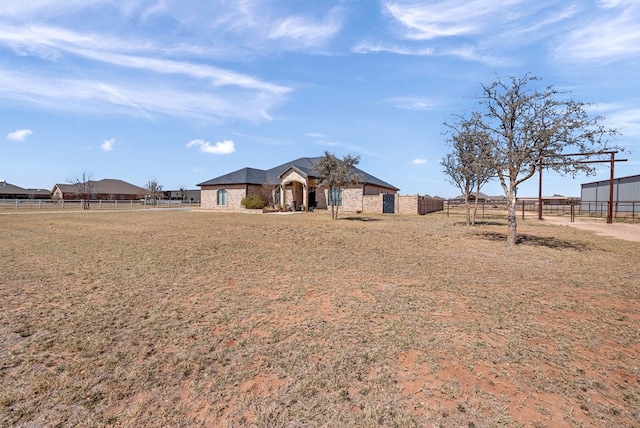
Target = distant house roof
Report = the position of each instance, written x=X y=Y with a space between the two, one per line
x=107 y=186
x=273 y=175
x=11 y=189
x=481 y=196
x=39 y=193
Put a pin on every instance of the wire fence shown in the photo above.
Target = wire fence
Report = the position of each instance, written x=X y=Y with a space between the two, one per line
x=51 y=204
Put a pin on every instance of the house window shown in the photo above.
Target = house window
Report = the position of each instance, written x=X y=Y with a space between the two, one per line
x=277 y=199
x=335 y=198
x=222 y=197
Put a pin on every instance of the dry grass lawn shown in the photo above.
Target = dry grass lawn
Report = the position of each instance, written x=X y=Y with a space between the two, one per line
x=173 y=318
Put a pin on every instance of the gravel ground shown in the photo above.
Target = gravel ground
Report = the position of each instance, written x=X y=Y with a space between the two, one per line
x=625 y=231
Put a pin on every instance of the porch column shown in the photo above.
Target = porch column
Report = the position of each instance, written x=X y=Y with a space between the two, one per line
x=305 y=201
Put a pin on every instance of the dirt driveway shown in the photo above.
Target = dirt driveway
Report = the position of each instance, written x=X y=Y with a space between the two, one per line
x=625 y=231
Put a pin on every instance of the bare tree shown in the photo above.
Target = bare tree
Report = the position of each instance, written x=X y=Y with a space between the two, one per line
x=84 y=189
x=334 y=174
x=528 y=128
x=266 y=193
x=468 y=165
x=154 y=191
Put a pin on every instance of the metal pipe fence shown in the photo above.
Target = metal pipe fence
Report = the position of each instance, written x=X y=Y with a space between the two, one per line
x=622 y=211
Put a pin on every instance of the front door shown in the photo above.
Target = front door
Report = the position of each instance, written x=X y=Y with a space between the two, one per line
x=312 y=199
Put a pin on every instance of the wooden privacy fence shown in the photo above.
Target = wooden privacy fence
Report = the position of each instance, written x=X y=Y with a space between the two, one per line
x=416 y=204
x=428 y=205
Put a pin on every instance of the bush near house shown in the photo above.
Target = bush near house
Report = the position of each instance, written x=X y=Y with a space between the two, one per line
x=253 y=202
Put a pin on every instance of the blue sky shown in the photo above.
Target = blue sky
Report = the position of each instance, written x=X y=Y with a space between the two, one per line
x=182 y=91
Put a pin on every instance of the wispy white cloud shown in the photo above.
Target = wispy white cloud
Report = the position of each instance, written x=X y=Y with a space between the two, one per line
x=38 y=8
x=141 y=97
x=424 y=20
x=139 y=72
x=610 y=35
x=305 y=32
x=107 y=145
x=608 y=4
x=19 y=135
x=220 y=148
x=466 y=52
x=419 y=161
x=374 y=47
x=51 y=43
x=626 y=121
x=314 y=135
x=411 y=103
x=542 y=25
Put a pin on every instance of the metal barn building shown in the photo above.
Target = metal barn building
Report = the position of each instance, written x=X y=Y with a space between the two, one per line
x=626 y=195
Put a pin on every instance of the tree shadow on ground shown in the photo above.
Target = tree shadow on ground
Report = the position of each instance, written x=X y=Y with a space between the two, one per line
x=481 y=223
x=538 y=241
x=361 y=219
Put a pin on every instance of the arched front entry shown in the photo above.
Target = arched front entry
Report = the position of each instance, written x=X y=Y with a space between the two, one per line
x=298 y=190
x=295 y=195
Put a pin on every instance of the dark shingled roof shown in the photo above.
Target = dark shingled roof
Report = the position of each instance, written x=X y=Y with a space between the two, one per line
x=106 y=186
x=241 y=176
x=272 y=176
x=11 y=189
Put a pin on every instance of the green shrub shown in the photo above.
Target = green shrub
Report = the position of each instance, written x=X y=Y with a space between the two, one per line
x=253 y=202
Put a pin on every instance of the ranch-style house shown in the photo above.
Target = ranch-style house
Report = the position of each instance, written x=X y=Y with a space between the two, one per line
x=294 y=186
x=106 y=189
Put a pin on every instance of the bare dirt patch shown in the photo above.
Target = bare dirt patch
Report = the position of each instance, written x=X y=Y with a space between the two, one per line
x=625 y=231
x=202 y=319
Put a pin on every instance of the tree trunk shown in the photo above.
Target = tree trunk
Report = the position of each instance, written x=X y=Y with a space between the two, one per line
x=511 y=219
x=467 y=208
x=475 y=212
x=475 y=206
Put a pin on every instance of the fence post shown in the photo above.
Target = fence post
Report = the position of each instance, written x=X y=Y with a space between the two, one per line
x=573 y=214
x=17 y=203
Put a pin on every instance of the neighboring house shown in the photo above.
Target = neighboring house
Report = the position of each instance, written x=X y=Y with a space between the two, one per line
x=472 y=198
x=182 y=195
x=106 y=189
x=294 y=186
x=11 y=191
x=549 y=200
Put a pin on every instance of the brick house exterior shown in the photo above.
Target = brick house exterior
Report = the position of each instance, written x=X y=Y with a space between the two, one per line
x=106 y=189
x=11 y=191
x=293 y=186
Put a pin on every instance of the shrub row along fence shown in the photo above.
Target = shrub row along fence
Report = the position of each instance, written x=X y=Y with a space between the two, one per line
x=51 y=204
